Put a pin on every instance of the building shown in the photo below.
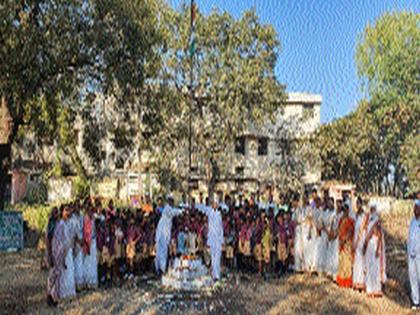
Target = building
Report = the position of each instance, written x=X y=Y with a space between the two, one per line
x=258 y=148
x=251 y=157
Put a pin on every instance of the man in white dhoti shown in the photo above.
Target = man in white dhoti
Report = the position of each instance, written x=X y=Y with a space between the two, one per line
x=358 y=243
x=215 y=236
x=374 y=251
x=58 y=280
x=413 y=251
x=163 y=235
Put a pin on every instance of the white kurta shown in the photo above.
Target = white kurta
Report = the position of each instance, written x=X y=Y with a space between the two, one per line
x=299 y=239
x=359 y=259
x=215 y=237
x=413 y=251
x=163 y=236
x=90 y=263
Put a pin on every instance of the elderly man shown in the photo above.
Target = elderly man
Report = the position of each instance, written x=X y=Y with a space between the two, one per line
x=413 y=251
x=215 y=236
x=163 y=235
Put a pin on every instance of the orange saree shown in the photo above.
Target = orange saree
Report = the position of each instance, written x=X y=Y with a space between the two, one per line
x=345 y=262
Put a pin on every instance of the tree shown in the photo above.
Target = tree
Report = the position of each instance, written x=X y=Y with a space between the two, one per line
x=56 y=54
x=388 y=64
x=350 y=151
x=234 y=87
x=374 y=146
x=410 y=157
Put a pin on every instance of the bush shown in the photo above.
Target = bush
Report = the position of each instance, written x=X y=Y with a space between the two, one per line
x=35 y=215
x=37 y=194
x=81 y=187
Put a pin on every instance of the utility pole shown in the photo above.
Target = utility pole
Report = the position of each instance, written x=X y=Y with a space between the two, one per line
x=191 y=51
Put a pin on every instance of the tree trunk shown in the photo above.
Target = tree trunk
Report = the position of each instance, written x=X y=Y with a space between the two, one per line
x=8 y=131
x=5 y=158
x=213 y=178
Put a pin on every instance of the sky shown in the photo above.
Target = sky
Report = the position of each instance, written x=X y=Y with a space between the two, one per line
x=318 y=42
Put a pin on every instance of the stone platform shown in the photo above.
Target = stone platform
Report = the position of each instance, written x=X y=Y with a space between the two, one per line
x=187 y=273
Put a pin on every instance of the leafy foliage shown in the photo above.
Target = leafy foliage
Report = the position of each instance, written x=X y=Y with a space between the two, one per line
x=366 y=146
x=57 y=55
x=233 y=81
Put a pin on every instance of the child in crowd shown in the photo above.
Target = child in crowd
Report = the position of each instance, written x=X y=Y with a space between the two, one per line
x=133 y=236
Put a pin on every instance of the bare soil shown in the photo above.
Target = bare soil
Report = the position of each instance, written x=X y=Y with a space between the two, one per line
x=23 y=290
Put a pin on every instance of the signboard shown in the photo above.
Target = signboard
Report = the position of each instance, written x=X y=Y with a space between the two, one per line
x=59 y=189
x=108 y=188
x=133 y=185
x=11 y=230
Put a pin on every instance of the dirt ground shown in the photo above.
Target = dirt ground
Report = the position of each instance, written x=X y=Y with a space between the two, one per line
x=23 y=283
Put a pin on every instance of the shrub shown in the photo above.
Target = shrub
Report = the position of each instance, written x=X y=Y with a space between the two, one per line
x=35 y=215
x=81 y=187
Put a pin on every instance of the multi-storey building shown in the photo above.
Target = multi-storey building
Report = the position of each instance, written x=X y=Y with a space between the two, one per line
x=255 y=152
x=251 y=157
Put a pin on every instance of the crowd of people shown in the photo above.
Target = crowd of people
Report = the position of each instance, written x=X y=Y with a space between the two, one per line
x=89 y=244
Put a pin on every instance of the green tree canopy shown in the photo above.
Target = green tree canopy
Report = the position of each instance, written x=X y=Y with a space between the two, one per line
x=375 y=146
x=56 y=54
x=234 y=84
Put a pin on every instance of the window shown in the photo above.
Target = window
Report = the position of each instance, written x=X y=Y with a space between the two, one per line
x=308 y=111
x=240 y=145
x=262 y=146
x=119 y=164
x=194 y=184
x=239 y=171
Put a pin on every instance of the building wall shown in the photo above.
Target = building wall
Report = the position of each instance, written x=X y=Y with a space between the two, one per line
x=301 y=115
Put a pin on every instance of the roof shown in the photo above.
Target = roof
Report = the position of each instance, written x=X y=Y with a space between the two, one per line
x=337 y=184
x=302 y=97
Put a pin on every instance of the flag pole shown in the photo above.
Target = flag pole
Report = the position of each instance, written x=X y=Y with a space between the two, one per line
x=191 y=51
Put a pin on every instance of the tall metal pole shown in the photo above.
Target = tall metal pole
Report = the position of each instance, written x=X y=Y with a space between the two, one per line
x=191 y=50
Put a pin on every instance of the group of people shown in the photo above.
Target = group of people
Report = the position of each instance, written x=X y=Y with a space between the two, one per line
x=90 y=245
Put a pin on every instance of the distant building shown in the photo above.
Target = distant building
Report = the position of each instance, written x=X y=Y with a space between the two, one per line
x=254 y=151
x=251 y=155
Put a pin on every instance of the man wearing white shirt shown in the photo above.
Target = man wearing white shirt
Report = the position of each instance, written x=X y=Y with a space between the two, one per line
x=413 y=249
x=163 y=235
x=215 y=236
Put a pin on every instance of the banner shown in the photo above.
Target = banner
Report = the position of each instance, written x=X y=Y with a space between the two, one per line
x=11 y=230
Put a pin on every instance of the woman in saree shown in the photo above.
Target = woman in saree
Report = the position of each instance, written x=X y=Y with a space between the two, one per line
x=374 y=252
x=345 y=260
